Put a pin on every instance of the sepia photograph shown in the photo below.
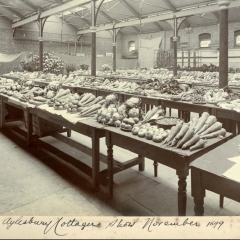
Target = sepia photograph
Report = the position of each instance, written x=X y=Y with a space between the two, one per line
x=119 y=119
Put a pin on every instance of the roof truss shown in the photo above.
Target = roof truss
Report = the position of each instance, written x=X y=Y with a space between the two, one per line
x=50 y=12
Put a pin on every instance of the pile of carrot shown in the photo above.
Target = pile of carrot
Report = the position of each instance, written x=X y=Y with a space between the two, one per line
x=89 y=105
x=153 y=113
x=193 y=135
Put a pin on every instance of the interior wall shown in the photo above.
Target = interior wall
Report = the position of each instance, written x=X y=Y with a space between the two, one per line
x=57 y=37
x=192 y=40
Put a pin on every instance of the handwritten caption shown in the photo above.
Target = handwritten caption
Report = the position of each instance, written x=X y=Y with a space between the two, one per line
x=60 y=226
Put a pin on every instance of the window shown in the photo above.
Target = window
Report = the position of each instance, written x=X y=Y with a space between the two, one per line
x=237 y=38
x=171 y=43
x=131 y=46
x=204 y=40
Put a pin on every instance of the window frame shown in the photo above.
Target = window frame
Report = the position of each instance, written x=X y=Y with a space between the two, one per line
x=236 y=34
x=203 y=37
x=129 y=46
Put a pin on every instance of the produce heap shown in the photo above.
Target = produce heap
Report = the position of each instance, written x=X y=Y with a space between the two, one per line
x=85 y=105
x=51 y=64
x=125 y=115
x=192 y=135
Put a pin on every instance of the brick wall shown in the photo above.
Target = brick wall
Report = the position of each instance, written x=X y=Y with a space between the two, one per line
x=191 y=38
x=56 y=37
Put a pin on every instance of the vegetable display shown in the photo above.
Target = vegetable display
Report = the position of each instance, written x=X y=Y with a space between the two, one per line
x=193 y=135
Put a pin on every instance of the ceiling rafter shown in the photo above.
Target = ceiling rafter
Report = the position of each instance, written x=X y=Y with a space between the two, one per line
x=136 y=29
x=216 y=15
x=164 y=17
x=83 y=19
x=172 y=8
x=12 y=11
x=130 y=8
x=30 y=5
x=158 y=26
x=106 y=16
x=5 y=16
x=53 y=11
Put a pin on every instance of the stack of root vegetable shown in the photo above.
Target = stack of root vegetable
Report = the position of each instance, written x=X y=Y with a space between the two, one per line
x=193 y=135
x=89 y=105
x=59 y=100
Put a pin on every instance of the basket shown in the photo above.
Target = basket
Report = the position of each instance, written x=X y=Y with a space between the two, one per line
x=42 y=127
x=164 y=126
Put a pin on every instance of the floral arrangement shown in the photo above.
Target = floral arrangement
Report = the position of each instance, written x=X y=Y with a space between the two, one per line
x=51 y=64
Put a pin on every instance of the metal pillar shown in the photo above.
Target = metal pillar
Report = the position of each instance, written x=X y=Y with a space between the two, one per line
x=114 y=57
x=175 y=41
x=40 y=44
x=93 y=38
x=175 y=24
x=114 y=35
x=223 y=49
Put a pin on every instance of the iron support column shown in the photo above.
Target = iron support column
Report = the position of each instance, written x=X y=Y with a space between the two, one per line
x=175 y=41
x=114 y=50
x=223 y=49
x=93 y=39
x=40 y=44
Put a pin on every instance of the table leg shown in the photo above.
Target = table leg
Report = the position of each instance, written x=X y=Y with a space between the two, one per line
x=199 y=206
x=221 y=201
x=141 y=166
x=95 y=159
x=170 y=112
x=182 y=190
x=155 y=164
x=180 y=114
x=2 y=113
x=68 y=132
x=29 y=128
x=198 y=193
x=109 y=163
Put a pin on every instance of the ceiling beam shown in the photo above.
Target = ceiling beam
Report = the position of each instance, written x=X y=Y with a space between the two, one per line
x=167 y=16
x=131 y=9
x=50 y=12
x=158 y=26
x=30 y=5
x=12 y=11
x=216 y=15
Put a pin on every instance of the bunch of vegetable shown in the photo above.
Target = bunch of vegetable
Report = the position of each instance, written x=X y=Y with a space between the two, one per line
x=171 y=87
x=193 y=135
x=58 y=100
x=154 y=114
x=88 y=100
x=145 y=130
x=91 y=111
x=38 y=100
x=108 y=114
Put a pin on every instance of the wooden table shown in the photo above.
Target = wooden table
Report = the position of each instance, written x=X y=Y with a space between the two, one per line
x=22 y=106
x=87 y=127
x=206 y=174
x=177 y=159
